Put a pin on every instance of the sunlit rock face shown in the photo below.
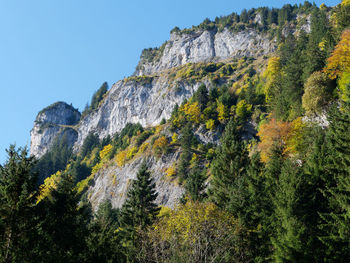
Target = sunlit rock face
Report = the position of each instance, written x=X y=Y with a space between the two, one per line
x=50 y=123
x=203 y=46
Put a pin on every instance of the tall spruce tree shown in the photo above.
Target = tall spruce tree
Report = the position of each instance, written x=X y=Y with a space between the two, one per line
x=338 y=193
x=138 y=212
x=18 y=194
x=140 y=208
x=63 y=228
x=229 y=165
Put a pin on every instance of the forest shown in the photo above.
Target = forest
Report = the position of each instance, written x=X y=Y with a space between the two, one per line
x=280 y=195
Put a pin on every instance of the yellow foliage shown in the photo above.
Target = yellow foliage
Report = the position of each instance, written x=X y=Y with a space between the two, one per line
x=161 y=142
x=143 y=147
x=243 y=108
x=222 y=112
x=194 y=158
x=192 y=111
x=339 y=61
x=164 y=211
x=272 y=74
x=210 y=124
x=188 y=220
x=131 y=153
x=105 y=151
x=345 y=2
x=50 y=183
x=344 y=85
x=171 y=171
x=121 y=158
x=296 y=140
x=174 y=138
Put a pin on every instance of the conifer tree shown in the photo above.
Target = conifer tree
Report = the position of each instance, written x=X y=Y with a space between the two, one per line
x=195 y=183
x=17 y=199
x=228 y=166
x=289 y=228
x=103 y=241
x=338 y=193
x=140 y=209
x=63 y=227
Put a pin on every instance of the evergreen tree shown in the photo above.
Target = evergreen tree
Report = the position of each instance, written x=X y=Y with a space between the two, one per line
x=288 y=240
x=63 y=228
x=138 y=211
x=195 y=183
x=315 y=56
x=18 y=194
x=228 y=166
x=201 y=96
x=338 y=191
x=139 y=208
x=104 y=243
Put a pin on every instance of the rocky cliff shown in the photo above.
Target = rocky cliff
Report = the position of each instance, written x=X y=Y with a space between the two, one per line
x=200 y=46
x=50 y=123
x=149 y=96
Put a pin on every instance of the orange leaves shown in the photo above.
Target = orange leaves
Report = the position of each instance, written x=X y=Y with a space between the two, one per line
x=339 y=61
x=287 y=137
x=273 y=134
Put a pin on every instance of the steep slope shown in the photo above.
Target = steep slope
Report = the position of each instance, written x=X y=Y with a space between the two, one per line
x=204 y=46
x=49 y=123
x=230 y=55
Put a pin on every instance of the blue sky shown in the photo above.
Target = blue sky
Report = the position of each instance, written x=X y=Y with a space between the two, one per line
x=64 y=50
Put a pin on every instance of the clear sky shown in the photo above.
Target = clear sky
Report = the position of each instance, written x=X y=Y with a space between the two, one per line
x=64 y=50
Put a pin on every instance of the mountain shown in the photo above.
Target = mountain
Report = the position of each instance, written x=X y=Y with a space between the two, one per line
x=229 y=143
x=215 y=53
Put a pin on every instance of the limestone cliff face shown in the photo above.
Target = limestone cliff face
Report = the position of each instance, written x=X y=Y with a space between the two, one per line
x=50 y=123
x=201 y=46
x=134 y=102
x=112 y=183
x=146 y=98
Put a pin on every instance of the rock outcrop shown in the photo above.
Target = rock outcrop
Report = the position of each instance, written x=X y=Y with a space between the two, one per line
x=112 y=183
x=202 y=46
x=50 y=123
x=134 y=102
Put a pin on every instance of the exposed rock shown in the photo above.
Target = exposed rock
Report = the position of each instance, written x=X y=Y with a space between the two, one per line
x=49 y=123
x=202 y=46
x=134 y=102
x=112 y=183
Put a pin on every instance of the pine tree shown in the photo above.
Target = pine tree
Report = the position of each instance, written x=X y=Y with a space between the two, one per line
x=18 y=194
x=63 y=228
x=289 y=227
x=104 y=243
x=338 y=193
x=140 y=209
x=195 y=183
x=228 y=166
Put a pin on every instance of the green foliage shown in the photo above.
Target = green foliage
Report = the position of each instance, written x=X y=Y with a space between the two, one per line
x=318 y=93
x=96 y=99
x=56 y=158
x=228 y=165
x=17 y=197
x=195 y=183
x=103 y=242
x=139 y=210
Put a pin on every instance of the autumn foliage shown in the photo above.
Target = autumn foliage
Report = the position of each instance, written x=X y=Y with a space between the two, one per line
x=339 y=61
x=273 y=135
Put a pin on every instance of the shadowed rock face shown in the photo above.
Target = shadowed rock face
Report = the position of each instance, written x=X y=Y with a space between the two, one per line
x=202 y=46
x=49 y=123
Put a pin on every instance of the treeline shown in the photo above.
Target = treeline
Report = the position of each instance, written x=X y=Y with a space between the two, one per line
x=281 y=195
